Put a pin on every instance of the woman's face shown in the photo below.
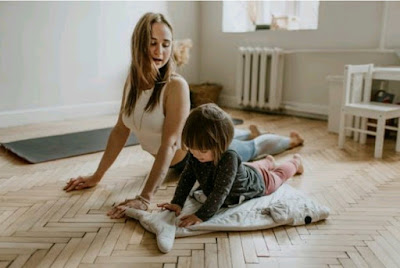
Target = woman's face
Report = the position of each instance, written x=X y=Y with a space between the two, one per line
x=161 y=44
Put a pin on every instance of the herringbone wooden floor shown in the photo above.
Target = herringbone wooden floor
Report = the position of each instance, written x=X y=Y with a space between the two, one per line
x=42 y=226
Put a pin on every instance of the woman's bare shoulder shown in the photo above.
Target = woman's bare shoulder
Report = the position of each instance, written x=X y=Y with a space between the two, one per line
x=177 y=85
x=177 y=91
x=177 y=80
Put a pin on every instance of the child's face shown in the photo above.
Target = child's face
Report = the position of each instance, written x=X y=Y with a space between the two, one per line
x=202 y=155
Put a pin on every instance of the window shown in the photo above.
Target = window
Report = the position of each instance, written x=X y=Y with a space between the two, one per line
x=247 y=16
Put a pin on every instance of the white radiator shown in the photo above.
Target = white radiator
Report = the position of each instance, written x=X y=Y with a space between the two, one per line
x=260 y=77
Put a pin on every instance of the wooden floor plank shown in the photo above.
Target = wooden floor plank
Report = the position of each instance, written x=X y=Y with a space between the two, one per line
x=370 y=257
x=259 y=243
x=381 y=254
x=211 y=255
x=224 y=253
x=198 y=259
x=96 y=245
x=184 y=262
x=48 y=260
x=36 y=258
x=20 y=261
x=80 y=250
x=236 y=250
x=66 y=253
x=249 y=250
x=111 y=240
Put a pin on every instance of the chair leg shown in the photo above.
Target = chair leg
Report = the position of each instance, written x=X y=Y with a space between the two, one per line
x=342 y=130
x=398 y=136
x=380 y=133
x=363 y=136
x=349 y=122
x=356 y=125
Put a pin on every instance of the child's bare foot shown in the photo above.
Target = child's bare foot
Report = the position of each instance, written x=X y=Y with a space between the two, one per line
x=272 y=160
x=254 y=131
x=295 y=139
x=300 y=167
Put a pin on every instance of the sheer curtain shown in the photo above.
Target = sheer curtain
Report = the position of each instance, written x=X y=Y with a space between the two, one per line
x=243 y=16
x=235 y=17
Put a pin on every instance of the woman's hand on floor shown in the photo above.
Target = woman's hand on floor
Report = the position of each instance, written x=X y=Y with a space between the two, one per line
x=189 y=220
x=80 y=183
x=118 y=211
x=171 y=207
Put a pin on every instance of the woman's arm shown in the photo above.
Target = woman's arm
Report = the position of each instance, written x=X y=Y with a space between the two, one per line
x=177 y=107
x=115 y=143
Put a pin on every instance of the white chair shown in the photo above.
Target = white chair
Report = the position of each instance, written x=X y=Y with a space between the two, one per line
x=357 y=102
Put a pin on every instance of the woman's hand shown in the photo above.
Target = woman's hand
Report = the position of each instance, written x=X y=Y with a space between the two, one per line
x=81 y=183
x=171 y=207
x=189 y=220
x=118 y=211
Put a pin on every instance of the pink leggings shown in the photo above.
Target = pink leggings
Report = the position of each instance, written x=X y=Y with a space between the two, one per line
x=274 y=177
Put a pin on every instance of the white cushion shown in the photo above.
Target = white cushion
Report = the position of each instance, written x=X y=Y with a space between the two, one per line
x=286 y=206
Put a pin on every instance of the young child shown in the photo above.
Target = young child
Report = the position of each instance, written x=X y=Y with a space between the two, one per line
x=222 y=176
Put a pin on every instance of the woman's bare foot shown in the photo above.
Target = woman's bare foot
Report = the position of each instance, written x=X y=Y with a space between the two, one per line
x=254 y=131
x=300 y=167
x=272 y=160
x=295 y=139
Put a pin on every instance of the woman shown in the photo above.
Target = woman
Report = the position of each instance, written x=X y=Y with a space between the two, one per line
x=155 y=106
x=152 y=94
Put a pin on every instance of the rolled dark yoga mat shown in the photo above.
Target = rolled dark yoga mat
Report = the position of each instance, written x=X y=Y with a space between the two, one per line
x=61 y=146
x=237 y=121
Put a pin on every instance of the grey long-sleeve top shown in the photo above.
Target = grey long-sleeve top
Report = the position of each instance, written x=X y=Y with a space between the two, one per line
x=228 y=183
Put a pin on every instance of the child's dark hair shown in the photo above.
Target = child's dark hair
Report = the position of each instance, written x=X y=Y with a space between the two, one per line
x=208 y=127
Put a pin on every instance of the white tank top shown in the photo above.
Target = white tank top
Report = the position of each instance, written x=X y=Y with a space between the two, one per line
x=147 y=126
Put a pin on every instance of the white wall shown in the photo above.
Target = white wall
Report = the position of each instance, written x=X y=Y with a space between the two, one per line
x=344 y=28
x=68 y=59
x=392 y=34
x=185 y=17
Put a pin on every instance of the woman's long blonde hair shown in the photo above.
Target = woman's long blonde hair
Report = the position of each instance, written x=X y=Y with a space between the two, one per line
x=143 y=72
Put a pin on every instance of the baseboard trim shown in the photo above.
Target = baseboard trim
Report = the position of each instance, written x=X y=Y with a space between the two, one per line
x=46 y=114
x=229 y=101
x=305 y=107
x=288 y=107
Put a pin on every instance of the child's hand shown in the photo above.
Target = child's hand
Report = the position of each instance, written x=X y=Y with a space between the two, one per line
x=171 y=207
x=189 y=220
